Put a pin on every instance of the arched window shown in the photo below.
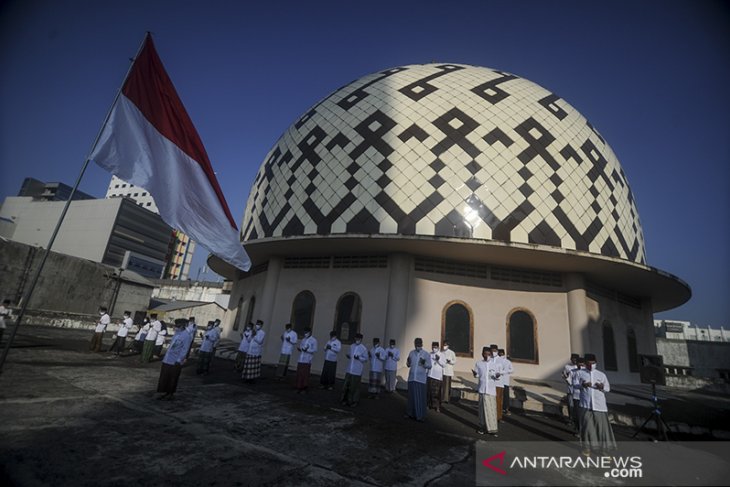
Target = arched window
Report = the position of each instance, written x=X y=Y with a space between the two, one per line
x=302 y=312
x=249 y=311
x=522 y=337
x=457 y=327
x=237 y=321
x=633 y=350
x=609 y=348
x=347 y=317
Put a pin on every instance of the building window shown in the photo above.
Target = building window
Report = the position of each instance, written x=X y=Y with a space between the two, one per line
x=522 y=337
x=302 y=312
x=347 y=317
x=609 y=347
x=136 y=194
x=633 y=350
x=116 y=185
x=144 y=194
x=124 y=185
x=237 y=321
x=149 y=204
x=457 y=327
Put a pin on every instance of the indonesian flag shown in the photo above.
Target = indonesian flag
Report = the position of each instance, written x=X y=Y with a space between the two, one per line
x=150 y=141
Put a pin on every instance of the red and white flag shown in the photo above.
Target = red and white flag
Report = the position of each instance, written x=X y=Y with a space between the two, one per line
x=150 y=141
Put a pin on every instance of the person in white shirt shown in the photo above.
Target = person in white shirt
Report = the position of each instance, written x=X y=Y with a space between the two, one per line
x=160 y=341
x=499 y=384
x=101 y=325
x=288 y=340
x=139 y=338
x=153 y=328
x=450 y=361
x=243 y=346
x=252 y=364
x=210 y=340
x=419 y=363
x=173 y=360
x=567 y=370
x=329 y=369
x=577 y=386
x=487 y=372
x=596 y=434
x=391 y=366
x=377 y=357
x=358 y=356
x=191 y=328
x=4 y=313
x=122 y=332
x=507 y=371
x=435 y=377
x=307 y=348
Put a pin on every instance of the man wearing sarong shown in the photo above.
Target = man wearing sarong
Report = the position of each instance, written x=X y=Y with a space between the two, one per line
x=307 y=347
x=124 y=327
x=329 y=369
x=450 y=360
x=499 y=384
x=101 y=325
x=288 y=340
x=391 y=366
x=138 y=343
x=160 y=341
x=567 y=369
x=252 y=364
x=243 y=346
x=357 y=357
x=507 y=371
x=377 y=357
x=435 y=377
x=486 y=372
x=172 y=362
x=419 y=363
x=153 y=328
x=596 y=434
x=192 y=329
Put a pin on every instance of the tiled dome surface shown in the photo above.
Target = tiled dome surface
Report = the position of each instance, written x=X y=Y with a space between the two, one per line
x=447 y=150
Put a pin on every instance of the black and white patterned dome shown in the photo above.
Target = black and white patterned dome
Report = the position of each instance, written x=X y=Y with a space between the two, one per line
x=447 y=150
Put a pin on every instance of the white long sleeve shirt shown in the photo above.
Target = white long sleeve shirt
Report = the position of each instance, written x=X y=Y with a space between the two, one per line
x=438 y=362
x=591 y=397
x=257 y=343
x=124 y=327
x=307 y=348
x=486 y=371
x=356 y=365
x=419 y=362
x=575 y=380
x=507 y=371
x=288 y=340
x=450 y=361
x=161 y=337
x=102 y=323
x=392 y=358
x=499 y=365
x=153 y=330
x=377 y=355
x=245 y=341
x=210 y=340
x=567 y=370
x=332 y=348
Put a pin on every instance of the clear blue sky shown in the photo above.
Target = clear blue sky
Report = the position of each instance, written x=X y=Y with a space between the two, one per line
x=652 y=76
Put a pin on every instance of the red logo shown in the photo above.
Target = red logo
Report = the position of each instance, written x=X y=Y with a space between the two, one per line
x=488 y=462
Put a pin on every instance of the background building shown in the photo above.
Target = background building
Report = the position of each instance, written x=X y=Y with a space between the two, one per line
x=448 y=201
x=182 y=247
x=98 y=230
x=38 y=190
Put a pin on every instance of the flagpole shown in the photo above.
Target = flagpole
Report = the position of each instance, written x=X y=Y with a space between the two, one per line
x=36 y=276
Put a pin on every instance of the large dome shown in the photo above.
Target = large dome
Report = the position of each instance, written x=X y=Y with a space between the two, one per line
x=447 y=150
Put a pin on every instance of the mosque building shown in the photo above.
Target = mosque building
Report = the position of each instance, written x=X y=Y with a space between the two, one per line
x=450 y=202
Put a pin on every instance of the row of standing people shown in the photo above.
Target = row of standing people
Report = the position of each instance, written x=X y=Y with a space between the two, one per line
x=586 y=397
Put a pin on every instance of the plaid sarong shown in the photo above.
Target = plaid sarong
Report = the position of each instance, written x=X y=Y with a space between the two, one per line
x=251 y=367
x=375 y=381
